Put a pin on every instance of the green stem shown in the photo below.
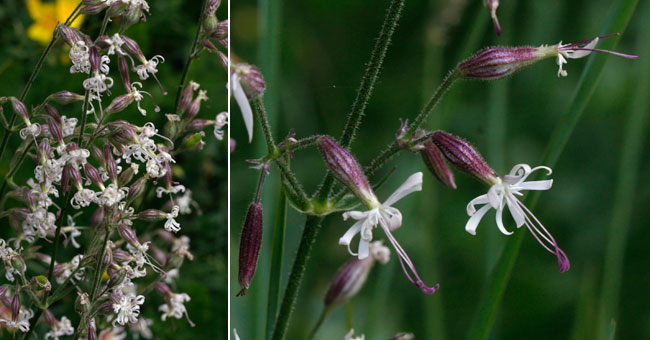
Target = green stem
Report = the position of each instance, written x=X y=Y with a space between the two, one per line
x=431 y=104
x=15 y=168
x=365 y=89
x=275 y=277
x=190 y=58
x=312 y=226
x=30 y=81
x=289 y=176
x=319 y=322
x=497 y=283
x=260 y=112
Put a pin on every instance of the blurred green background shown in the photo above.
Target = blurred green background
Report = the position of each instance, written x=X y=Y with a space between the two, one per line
x=169 y=31
x=313 y=54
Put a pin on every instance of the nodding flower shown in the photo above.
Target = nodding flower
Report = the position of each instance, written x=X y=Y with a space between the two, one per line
x=499 y=62
x=492 y=6
x=348 y=171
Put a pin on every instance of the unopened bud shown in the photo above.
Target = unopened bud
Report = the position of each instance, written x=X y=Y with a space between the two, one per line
x=186 y=97
x=82 y=304
x=15 y=307
x=49 y=318
x=152 y=215
x=95 y=59
x=436 y=164
x=132 y=48
x=199 y=124
x=93 y=174
x=347 y=170
x=121 y=256
x=119 y=103
x=128 y=235
x=41 y=282
x=211 y=7
x=19 y=108
x=123 y=67
x=194 y=140
x=70 y=35
x=111 y=166
x=498 y=62
x=106 y=308
x=126 y=176
x=116 y=9
x=115 y=277
x=194 y=108
x=136 y=188
x=53 y=113
x=55 y=130
x=221 y=32
x=97 y=218
x=209 y=45
x=210 y=24
x=93 y=9
x=251 y=80
x=249 y=246
x=462 y=155
x=353 y=275
x=65 y=97
x=131 y=16
x=73 y=175
x=163 y=289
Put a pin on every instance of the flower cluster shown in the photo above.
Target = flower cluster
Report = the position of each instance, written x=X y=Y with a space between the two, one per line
x=91 y=172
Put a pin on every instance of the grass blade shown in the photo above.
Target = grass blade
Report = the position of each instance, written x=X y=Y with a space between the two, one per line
x=277 y=252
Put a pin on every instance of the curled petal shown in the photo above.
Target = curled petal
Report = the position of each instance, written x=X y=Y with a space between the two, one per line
x=355 y=215
x=499 y=219
x=244 y=105
x=473 y=222
x=483 y=199
x=537 y=185
x=412 y=184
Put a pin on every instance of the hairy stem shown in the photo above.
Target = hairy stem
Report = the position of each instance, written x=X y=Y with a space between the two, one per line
x=190 y=57
x=365 y=89
x=312 y=226
x=260 y=112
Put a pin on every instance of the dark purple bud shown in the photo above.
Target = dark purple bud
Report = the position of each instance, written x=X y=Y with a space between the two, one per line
x=131 y=16
x=462 y=155
x=19 y=108
x=70 y=35
x=249 y=246
x=492 y=6
x=95 y=59
x=49 y=318
x=194 y=108
x=116 y=9
x=97 y=218
x=209 y=45
x=132 y=48
x=15 y=307
x=123 y=133
x=74 y=175
x=119 y=103
x=186 y=97
x=136 y=188
x=105 y=309
x=115 y=276
x=55 y=130
x=111 y=166
x=222 y=30
x=92 y=332
x=211 y=7
x=163 y=289
x=152 y=215
x=93 y=9
x=436 y=164
x=65 y=179
x=108 y=257
x=103 y=42
x=223 y=60
x=233 y=144
x=125 y=177
x=52 y=112
x=199 y=124
x=66 y=97
x=251 y=80
x=347 y=170
x=348 y=281
x=498 y=62
x=128 y=235
x=120 y=256
x=93 y=174
x=123 y=67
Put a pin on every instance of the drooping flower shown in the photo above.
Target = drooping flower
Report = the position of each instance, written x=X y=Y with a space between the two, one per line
x=503 y=193
x=128 y=309
x=347 y=170
x=492 y=6
x=171 y=225
x=246 y=83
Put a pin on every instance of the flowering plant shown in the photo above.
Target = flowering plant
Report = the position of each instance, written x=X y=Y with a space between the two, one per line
x=96 y=229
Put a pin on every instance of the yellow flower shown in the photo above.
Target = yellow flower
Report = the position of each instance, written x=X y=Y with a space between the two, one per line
x=47 y=15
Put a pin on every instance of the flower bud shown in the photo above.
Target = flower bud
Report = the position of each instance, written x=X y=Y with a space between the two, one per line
x=49 y=318
x=119 y=103
x=116 y=9
x=123 y=67
x=66 y=97
x=19 y=108
x=209 y=45
x=194 y=140
x=106 y=308
x=115 y=277
x=95 y=59
x=121 y=256
x=223 y=60
x=347 y=170
x=186 y=97
x=462 y=155
x=136 y=188
x=15 y=307
x=132 y=47
x=55 y=130
x=126 y=176
x=249 y=246
x=436 y=164
x=194 y=108
x=152 y=215
x=82 y=304
x=93 y=174
x=352 y=276
x=42 y=282
x=199 y=124
x=111 y=166
x=163 y=289
x=221 y=32
x=210 y=24
x=211 y=7
x=251 y=79
x=93 y=9
x=98 y=217
x=128 y=235
x=131 y=16
x=70 y=35
x=498 y=62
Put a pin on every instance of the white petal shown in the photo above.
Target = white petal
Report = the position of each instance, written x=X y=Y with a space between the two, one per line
x=413 y=183
x=349 y=235
x=244 y=105
x=536 y=185
x=493 y=197
x=499 y=219
x=515 y=211
x=355 y=214
x=582 y=53
x=473 y=221
x=392 y=217
x=478 y=200
x=364 y=247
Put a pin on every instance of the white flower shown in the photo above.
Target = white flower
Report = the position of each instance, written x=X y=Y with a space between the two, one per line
x=128 y=309
x=141 y=328
x=390 y=219
x=7 y=254
x=244 y=105
x=137 y=96
x=350 y=336
x=219 y=123
x=68 y=125
x=22 y=323
x=83 y=198
x=175 y=307
x=80 y=58
x=174 y=189
x=62 y=328
x=184 y=202
x=39 y=222
x=149 y=67
x=171 y=225
x=30 y=130
x=111 y=195
x=115 y=43
x=503 y=194
x=74 y=232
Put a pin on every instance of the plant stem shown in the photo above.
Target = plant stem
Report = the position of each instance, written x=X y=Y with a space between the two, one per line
x=319 y=322
x=435 y=99
x=190 y=57
x=289 y=176
x=497 y=283
x=312 y=226
x=365 y=89
x=30 y=81
x=260 y=112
